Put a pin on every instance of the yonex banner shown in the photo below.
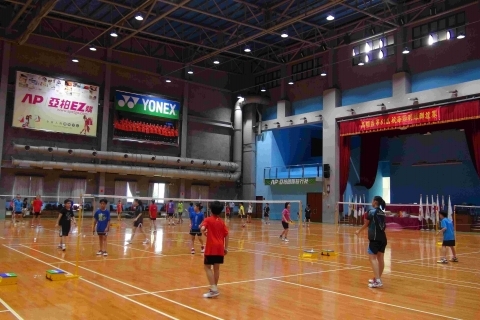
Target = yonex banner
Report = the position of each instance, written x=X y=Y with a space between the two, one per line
x=147 y=105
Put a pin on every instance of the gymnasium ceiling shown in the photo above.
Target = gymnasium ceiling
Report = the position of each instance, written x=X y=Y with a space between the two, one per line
x=195 y=32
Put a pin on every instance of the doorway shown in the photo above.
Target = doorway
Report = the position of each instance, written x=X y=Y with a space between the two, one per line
x=258 y=209
x=315 y=200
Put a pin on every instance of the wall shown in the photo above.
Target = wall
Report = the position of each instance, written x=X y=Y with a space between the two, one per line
x=366 y=93
x=273 y=149
x=461 y=181
x=307 y=105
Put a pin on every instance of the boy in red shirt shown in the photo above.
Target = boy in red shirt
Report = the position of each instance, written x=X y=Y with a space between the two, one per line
x=152 y=210
x=216 y=247
x=37 y=209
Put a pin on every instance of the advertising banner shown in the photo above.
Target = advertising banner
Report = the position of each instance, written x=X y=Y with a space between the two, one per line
x=146 y=119
x=55 y=105
x=282 y=182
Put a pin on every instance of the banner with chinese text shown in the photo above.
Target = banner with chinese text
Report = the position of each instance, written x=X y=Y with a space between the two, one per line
x=276 y=182
x=55 y=105
x=391 y=121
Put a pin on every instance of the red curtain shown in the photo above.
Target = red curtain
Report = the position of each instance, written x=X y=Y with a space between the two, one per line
x=344 y=163
x=472 y=133
x=369 y=157
x=467 y=110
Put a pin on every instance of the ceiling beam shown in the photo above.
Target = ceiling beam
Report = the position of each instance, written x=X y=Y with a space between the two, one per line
x=151 y=23
x=19 y=14
x=44 y=8
x=369 y=14
x=276 y=27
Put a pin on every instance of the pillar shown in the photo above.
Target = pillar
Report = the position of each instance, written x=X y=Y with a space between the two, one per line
x=284 y=110
x=401 y=84
x=184 y=130
x=105 y=118
x=3 y=93
x=248 y=150
x=331 y=101
x=283 y=83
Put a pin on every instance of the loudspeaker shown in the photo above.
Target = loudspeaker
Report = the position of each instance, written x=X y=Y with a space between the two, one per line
x=326 y=170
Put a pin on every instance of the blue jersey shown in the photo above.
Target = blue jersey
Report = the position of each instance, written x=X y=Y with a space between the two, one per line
x=448 y=234
x=196 y=219
x=17 y=205
x=376 y=226
x=170 y=207
x=102 y=217
x=191 y=211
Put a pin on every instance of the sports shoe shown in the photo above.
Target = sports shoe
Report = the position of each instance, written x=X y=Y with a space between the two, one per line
x=129 y=242
x=146 y=241
x=376 y=284
x=371 y=280
x=59 y=246
x=454 y=259
x=99 y=253
x=105 y=253
x=281 y=237
x=285 y=239
x=64 y=247
x=203 y=249
x=211 y=294
x=192 y=251
x=443 y=261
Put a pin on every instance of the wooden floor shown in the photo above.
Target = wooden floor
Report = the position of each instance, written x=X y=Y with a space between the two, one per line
x=263 y=278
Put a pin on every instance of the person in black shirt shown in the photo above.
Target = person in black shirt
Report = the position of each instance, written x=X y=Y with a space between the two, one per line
x=308 y=212
x=266 y=213
x=64 y=221
x=138 y=221
x=375 y=222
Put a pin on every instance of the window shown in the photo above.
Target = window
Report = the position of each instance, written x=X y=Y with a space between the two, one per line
x=443 y=29
x=372 y=50
x=269 y=80
x=306 y=69
x=28 y=186
x=386 y=189
x=157 y=190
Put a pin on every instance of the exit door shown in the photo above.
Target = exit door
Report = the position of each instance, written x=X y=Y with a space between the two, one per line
x=315 y=200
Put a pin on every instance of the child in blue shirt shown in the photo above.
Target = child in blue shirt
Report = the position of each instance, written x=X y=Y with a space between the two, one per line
x=448 y=238
x=17 y=209
x=102 y=222
x=196 y=219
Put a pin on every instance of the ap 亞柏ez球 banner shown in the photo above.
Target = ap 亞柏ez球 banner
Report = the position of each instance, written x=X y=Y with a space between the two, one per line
x=55 y=105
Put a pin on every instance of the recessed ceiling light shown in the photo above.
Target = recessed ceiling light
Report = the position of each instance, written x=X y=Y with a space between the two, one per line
x=323 y=74
x=380 y=54
x=216 y=61
x=361 y=63
x=263 y=89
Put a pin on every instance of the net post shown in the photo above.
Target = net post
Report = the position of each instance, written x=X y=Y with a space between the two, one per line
x=337 y=218
x=455 y=223
x=79 y=228
x=300 y=226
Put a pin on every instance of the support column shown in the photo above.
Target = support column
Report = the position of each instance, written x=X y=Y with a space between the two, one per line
x=331 y=100
x=184 y=130
x=105 y=118
x=3 y=93
x=248 y=150
x=401 y=84
x=283 y=83
x=332 y=68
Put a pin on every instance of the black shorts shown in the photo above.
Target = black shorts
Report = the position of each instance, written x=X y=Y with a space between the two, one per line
x=170 y=214
x=211 y=260
x=153 y=219
x=64 y=230
x=266 y=215
x=36 y=214
x=180 y=214
x=375 y=247
x=195 y=232
x=448 y=243
x=285 y=225
x=18 y=212
x=138 y=223
x=102 y=233
x=307 y=217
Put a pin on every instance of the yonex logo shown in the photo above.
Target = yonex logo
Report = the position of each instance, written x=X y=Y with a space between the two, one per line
x=126 y=100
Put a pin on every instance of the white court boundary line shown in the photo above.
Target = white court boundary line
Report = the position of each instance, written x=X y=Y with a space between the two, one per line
x=81 y=278
x=10 y=309
x=4 y=311
x=364 y=299
x=122 y=282
x=243 y=281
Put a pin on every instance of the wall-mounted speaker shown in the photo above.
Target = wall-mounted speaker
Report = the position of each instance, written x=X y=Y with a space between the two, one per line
x=326 y=170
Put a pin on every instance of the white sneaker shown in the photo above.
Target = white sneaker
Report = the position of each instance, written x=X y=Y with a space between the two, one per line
x=211 y=294
x=376 y=284
x=203 y=249
x=371 y=280
x=146 y=241
x=285 y=239
x=59 y=246
x=105 y=253
x=192 y=251
x=129 y=242
x=99 y=253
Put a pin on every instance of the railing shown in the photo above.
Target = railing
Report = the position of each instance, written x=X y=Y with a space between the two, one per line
x=296 y=171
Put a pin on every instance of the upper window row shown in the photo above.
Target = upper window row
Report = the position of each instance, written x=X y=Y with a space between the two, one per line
x=439 y=30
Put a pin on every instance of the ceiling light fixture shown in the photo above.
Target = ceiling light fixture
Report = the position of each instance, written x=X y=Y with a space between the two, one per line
x=216 y=61
x=92 y=48
x=406 y=50
x=449 y=35
x=361 y=63
x=190 y=71
x=323 y=74
x=380 y=43
x=138 y=16
x=353 y=52
x=290 y=82
x=75 y=60
x=330 y=17
x=367 y=47
x=367 y=58
x=461 y=35
x=431 y=40
x=263 y=89
x=247 y=48
x=380 y=54
x=114 y=33
x=284 y=34
x=168 y=80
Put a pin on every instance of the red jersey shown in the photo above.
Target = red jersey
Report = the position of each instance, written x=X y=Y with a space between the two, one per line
x=227 y=209
x=153 y=209
x=119 y=207
x=37 y=206
x=217 y=231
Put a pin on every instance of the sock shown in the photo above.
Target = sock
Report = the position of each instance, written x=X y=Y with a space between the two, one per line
x=214 y=288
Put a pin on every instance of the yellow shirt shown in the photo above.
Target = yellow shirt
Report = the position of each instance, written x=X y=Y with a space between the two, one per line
x=241 y=211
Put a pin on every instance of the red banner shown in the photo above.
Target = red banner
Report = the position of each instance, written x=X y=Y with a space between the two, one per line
x=394 y=121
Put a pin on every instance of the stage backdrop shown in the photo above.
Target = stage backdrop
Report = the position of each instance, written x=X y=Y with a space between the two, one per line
x=146 y=118
x=55 y=105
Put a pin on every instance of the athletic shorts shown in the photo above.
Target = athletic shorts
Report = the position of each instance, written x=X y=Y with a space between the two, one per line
x=180 y=213
x=285 y=225
x=375 y=247
x=138 y=223
x=18 y=212
x=307 y=217
x=153 y=219
x=36 y=214
x=102 y=233
x=170 y=214
x=266 y=215
x=195 y=232
x=448 y=243
x=64 y=230
x=211 y=260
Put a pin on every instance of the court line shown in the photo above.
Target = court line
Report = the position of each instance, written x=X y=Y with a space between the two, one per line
x=459 y=254
x=97 y=285
x=10 y=309
x=125 y=283
x=243 y=281
x=101 y=259
x=4 y=311
x=367 y=300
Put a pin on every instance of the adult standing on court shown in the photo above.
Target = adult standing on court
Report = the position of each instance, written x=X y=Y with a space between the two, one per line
x=170 y=212
x=308 y=213
x=285 y=221
x=241 y=213
x=138 y=221
x=266 y=213
x=37 y=210
x=249 y=213
x=152 y=211
x=377 y=239
x=119 y=210
x=180 y=212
